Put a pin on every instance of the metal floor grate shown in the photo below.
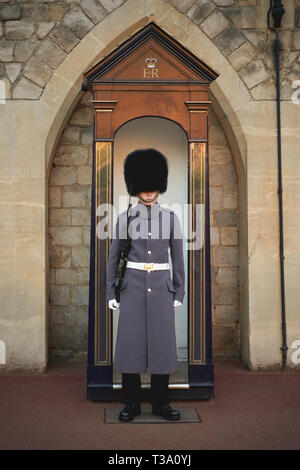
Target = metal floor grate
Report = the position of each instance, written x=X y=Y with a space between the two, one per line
x=188 y=415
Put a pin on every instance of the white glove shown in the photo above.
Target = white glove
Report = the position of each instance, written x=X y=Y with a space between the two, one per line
x=113 y=304
x=177 y=303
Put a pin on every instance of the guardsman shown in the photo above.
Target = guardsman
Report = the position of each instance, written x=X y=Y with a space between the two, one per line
x=146 y=337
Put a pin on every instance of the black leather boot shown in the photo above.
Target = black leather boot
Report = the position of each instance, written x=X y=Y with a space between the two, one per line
x=130 y=411
x=166 y=411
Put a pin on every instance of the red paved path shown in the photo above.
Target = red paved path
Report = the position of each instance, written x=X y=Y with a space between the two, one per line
x=249 y=411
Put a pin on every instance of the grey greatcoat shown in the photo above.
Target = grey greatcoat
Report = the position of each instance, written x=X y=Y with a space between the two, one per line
x=146 y=339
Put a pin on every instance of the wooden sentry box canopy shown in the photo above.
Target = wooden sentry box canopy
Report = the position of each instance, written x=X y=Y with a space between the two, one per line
x=151 y=74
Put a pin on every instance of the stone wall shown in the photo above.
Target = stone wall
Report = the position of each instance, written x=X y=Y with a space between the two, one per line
x=69 y=238
x=36 y=37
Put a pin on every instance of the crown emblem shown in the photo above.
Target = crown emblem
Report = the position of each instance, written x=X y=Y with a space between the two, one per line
x=151 y=62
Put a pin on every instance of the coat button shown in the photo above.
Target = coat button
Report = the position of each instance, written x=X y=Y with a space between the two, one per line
x=149 y=252
x=149 y=233
x=149 y=290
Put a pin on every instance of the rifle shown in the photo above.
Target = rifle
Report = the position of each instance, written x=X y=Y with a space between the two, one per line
x=122 y=259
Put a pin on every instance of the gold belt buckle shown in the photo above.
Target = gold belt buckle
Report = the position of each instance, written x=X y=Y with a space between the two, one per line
x=149 y=266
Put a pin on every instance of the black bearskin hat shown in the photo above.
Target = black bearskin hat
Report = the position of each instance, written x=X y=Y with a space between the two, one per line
x=145 y=170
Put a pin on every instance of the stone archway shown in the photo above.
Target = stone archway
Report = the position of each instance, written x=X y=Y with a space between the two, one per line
x=64 y=89
x=69 y=239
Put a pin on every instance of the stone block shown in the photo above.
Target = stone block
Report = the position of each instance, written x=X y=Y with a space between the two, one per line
x=111 y=5
x=78 y=22
x=36 y=71
x=80 y=256
x=81 y=217
x=51 y=54
x=214 y=24
x=80 y=295
x=44 y=29
x=223 y=175
x=6 y=50
x=214 y=236
x=229 y=40
x=83 y=276
x=60 y=217
x=27 y=90
x=182 y=5
x=227 y=313
x=64 y=38
x=225 y=294
x=60 y=256
x=242 y=56
x=24 y=50
x=61 y=176
x=54 y=197
x=83 y=116
x=13 y=71
x=75 y=197
x=10 y=12
x=224 y=3
x=200 y=10
x=19 y=30
x=254 y=73
x=226 y=256
x=59 y=295
x=297 y=16
x=229 y=236
x=219 y=154
x=216 y=197
x=242 y=17
x=71 y=135
x=228 y=276
x=86 y=236
x=222 y=335
x=230 y=197
x=216 y=137
x=296 y=39
x=71 y=155
x=65 y=276
x=226 y=217
x=84 y=175
x=68 y=236
x=86 y=136
x=93 y=9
